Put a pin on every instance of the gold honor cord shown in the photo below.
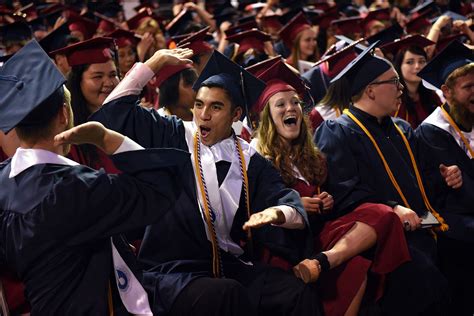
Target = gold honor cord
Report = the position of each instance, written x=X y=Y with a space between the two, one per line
x=444 y=226
x=216 y=260
x=458 y=130
x=243 y=172
x=407 y=116
x=109 y=299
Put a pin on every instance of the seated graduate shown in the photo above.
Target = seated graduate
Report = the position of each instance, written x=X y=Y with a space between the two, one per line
x=284 y=138
x=198 y=260
x=373 y=156
x=446 y=138
x=57 y=217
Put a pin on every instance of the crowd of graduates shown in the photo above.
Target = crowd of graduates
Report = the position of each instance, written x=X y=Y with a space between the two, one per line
x=218 y=157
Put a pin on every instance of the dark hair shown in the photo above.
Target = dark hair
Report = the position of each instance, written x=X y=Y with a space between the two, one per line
x=428 y=98
x=169 y=94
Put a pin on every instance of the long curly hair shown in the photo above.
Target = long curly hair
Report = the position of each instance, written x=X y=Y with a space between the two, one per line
x=302 y=152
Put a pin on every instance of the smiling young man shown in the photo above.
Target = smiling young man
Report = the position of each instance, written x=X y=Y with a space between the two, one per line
x=447 y=139
x=372 y=155
x=199 y=260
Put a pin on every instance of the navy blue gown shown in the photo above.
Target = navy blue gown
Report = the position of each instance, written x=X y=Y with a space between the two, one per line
x=57 y=220
x=360 y=177
x=176 y=251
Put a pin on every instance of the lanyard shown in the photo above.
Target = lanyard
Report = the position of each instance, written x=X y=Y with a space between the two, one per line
x=444 y=226
x=217 y=268
x=457 y=129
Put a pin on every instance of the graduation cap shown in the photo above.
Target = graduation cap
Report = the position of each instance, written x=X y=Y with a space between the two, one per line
x=110 y=9
x=180 y=22
x=428 y=6
x=334 y=63
x=56 y=39
x=250 y=39
x=247 y=18
x=350 y=25
x=106 y=24
x=445 y=41
x=16 y=32
x=405 y=43
x=38 y=24
x=324 y=20
x=375 y=16
x=388 y=35
x=296 y=25
x=292 y=3
x=272 y=20
x=168 y=71
x=135 y=21
x=258 y=68
x=364 y=69
x=94 y=51
x=4 y=58
x=323 y=6
x=455 y=16
x=242 y=86
x=279 y=77
x=454 y=56
x=225 y=13
x=197 y=42
x=124 y=38
x=241 y=28
x=26 y=80
x=418 y=23
x=81 y=24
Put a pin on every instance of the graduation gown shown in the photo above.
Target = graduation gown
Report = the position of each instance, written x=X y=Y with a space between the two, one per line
x=56 y=222
x=361 y=177
x=441 y=147
x=176 y=250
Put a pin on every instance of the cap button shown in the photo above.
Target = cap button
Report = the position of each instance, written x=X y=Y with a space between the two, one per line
x=19 y=85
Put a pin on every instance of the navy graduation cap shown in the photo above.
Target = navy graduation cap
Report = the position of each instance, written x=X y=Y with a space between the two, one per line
x=364 y=69
x=16 y=31
x=243 y=87
x=387 y=35
x=26 y=80
x=454 y=56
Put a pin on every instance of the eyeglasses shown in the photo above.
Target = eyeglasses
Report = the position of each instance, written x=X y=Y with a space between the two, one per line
x=395 y=81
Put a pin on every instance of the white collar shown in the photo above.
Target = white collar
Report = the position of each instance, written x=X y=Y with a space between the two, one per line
x=26 y=158
x=223 y=150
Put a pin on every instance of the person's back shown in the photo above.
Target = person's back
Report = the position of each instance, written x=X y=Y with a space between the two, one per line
x=56 y=216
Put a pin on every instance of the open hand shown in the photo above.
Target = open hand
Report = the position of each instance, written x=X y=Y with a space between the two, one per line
x=270 y=215
x=169 y=57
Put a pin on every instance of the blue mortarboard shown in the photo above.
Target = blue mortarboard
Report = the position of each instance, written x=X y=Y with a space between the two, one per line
x=364 y=69
x=26 y=80
x=180 y=22
x=455 y=55
x=387 y=35
x=17 y=31
x=56 y=39
x=455 y=16
x=243 y=87
x=224 y=13
x=427 y=6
